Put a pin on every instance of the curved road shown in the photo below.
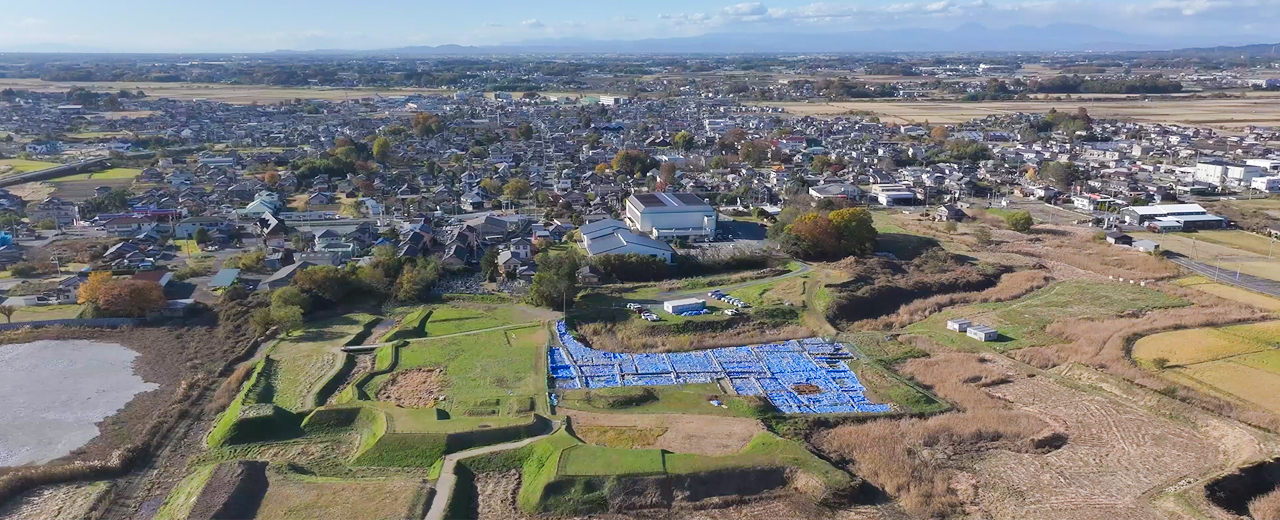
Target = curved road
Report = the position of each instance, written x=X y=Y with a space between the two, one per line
x=444 y=485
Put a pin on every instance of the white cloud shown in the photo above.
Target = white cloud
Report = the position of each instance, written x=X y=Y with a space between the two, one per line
x=748 y=9
x=533 y=24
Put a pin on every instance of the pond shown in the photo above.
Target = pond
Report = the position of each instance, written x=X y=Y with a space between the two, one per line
x=56 y=391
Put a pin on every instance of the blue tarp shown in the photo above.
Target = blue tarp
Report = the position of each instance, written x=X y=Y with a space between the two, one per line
x=773 y=370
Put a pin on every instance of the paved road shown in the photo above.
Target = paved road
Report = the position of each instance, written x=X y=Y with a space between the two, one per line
x=1228 y=276
x=444 y=485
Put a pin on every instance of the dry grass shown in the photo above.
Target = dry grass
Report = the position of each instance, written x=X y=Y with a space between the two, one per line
x=229 y=388
x=1071 y=247
x=1010 y=287
x=1266 y=507
x=1105 y=345
x=916 y=460
x=615 y=337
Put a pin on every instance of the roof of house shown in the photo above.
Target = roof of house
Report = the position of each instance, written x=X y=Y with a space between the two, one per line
x=619 y=241
x=666 y=202
x=224 y=278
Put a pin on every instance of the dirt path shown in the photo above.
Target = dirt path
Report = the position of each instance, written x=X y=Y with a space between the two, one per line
x=444 y=486
x=467 y=333
x=703 y=434
x=671 y=295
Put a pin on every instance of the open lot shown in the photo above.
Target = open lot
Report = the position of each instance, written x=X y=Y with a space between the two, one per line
x=116 y=174
x=239 y=94
x=16 y=166
x=298 y=497
x=1231 y=114
x=1022 y=322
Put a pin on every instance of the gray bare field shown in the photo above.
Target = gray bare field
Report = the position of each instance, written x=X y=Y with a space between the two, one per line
x=56 y=391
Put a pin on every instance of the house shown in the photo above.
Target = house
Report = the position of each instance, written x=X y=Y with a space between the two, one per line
x=128 y=226
x=949 y=213
x=283 y=277
x=589 y=275
x=1146 y=246
x=224 y=278
x=521 y=248
x=835 y=190
x=162 y=278
x=1119 y=239
x=326 y=236
x=508 y=261
x=187 y=227
x=61 y=212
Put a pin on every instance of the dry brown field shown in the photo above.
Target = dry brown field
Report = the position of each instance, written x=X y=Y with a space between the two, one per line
x=1261 y=109
x=237 y=94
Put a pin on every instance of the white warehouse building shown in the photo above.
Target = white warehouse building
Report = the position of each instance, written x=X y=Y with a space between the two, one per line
x=667 y=216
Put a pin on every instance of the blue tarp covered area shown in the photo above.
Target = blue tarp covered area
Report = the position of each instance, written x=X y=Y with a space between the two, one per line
x=798 y=376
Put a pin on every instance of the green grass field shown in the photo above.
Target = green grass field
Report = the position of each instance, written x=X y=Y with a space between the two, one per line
x=586 y=460
x=16 y=166
x=455 y=319
x=108 y=174
x=1022 y=322
x=305 y=357
x=48 y=312
x=177 y=506
x=501 y=364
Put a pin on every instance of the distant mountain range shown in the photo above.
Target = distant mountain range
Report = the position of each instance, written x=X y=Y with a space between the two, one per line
x=972 y=37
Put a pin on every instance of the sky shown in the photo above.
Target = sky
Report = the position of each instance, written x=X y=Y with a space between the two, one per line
x=266 y=25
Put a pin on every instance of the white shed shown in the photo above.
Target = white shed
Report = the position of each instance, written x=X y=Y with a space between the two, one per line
x=958 y=325
x=685 y=305
x=983 y=333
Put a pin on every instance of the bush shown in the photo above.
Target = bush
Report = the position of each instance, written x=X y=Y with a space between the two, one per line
x=1019 y=221
x=631 y=267
x=46 y=225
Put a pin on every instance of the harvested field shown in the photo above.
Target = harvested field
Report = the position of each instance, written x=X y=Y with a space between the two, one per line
x=416 y=388
x=1126 y=447
x=83 y=190
x=237 y=94
x=1251 y=110
x=1232 y=293
x=681 y=433
x=1243 y=377
x=293 y=497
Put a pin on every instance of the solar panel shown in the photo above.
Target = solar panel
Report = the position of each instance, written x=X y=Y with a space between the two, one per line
x=649 y=200
x=689 y=199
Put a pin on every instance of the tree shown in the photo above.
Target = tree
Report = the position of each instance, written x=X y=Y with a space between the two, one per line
x=290 y=295
x=820 y=163
x=754 y=152
x=416 y=282
x=684 y=141
x=489 y=264
x=1061 y=175
x=88 y=291
x=667 y=174
x=524 y=131
x=286 y=317
x=556 y=283
x=427 y=125
x=381 y=149
x=324 y=281
x=7 y=311
x=719 y=162
x=818 y=237
x=272 y=178
x=131 y=297
x=201 y=235
x=491 y=185
x=857 y=232
x=633 y=161
x=1019 y=221
x=517 y=189
x=939 y=133
x=602 y=168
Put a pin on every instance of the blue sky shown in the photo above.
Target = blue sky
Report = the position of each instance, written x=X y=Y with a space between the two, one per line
x=264 y=25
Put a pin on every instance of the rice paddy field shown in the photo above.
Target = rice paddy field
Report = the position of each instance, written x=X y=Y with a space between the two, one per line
x=1242 y=361
x=16 y=166
x=238 y=94
x=1228 y=114
x=1232 y=293
x=108 y=174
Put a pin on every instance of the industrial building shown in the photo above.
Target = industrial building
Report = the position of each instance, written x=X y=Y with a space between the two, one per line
x=667 y=216
x=1167 y=217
